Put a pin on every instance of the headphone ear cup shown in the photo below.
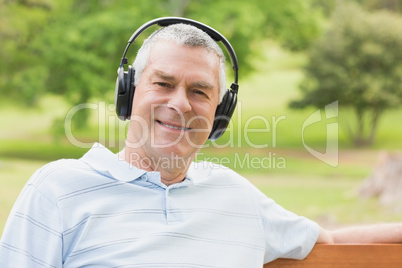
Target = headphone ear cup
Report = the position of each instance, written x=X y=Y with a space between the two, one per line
x=119 y=93
x=131 y=89
x=223 y=114
x=124 y=92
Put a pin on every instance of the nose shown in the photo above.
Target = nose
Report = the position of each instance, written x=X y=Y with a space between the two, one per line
x=179 y=100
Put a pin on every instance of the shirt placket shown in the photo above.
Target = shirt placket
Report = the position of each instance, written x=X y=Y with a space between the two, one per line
x=172 y=212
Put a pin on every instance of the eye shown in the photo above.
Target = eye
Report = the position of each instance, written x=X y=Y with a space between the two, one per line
x=163 y=84
x=200 y=92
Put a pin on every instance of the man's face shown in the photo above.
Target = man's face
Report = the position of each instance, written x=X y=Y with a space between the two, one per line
x=175 y=101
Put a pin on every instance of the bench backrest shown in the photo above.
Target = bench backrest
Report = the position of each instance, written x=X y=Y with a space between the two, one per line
x=347 y=255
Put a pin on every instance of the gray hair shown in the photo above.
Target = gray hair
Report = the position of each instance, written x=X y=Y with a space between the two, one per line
x=185 y=35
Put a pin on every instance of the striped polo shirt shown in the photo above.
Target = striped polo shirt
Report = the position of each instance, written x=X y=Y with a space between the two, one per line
x=99 y=211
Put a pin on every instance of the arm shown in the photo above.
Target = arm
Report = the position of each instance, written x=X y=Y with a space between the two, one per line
x=379 y=233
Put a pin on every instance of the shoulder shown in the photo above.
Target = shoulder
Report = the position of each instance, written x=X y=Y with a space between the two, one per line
x=58 y=169
x=208 y=172
x=57 y=177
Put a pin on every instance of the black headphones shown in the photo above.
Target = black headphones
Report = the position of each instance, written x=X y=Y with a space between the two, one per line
x=124 y=91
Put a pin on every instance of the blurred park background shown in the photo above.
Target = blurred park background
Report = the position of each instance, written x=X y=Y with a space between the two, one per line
x=58 y=70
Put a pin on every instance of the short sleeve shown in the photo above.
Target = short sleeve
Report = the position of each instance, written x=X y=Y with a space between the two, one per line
x=286 y=234
x=32 y=236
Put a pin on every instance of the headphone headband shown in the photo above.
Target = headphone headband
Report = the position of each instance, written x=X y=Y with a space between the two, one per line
x=214 y=34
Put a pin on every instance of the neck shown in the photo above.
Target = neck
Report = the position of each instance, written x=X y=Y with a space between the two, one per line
x=173 y=168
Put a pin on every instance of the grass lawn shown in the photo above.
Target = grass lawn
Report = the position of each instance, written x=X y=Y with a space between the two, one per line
x=332 y=202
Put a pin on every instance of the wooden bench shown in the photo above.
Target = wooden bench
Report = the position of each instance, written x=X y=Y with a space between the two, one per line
x=347 y=256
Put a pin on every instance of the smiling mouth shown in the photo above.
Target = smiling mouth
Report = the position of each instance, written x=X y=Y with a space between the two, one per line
x=173 y=127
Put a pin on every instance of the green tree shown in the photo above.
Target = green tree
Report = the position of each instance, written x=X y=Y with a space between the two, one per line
x=391 y=5
x=359 y=63
x=73 y=47
x=20 y=68
x=328 y=6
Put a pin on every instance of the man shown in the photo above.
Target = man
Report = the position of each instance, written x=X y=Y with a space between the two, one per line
x=150 y=205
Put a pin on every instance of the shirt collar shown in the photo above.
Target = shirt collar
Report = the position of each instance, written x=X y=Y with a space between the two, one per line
x=104 y=161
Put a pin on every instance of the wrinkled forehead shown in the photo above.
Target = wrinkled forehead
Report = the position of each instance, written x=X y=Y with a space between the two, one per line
x=167 y=55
